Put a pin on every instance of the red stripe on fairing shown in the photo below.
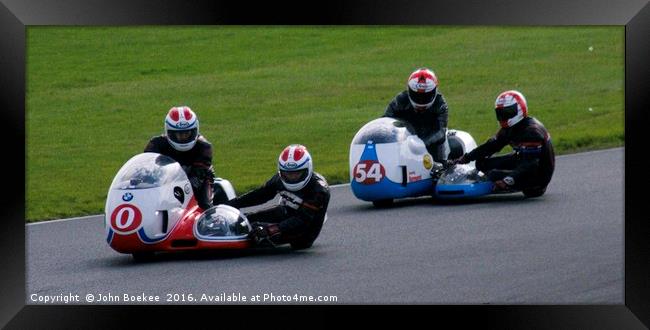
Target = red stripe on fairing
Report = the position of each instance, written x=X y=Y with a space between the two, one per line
x=298 y=153
x=174 y=114
x=187 y=114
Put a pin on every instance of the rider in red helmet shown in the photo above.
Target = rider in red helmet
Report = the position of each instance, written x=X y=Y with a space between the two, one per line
x=530 y=166
x=423 y=106
x=183 y=143
x=304 y=197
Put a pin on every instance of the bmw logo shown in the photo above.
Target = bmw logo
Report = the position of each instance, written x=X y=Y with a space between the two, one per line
x=127 y=197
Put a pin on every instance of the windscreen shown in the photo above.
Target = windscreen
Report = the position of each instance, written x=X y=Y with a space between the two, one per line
x=222 y=221
x=148 y=170
x=383 y=130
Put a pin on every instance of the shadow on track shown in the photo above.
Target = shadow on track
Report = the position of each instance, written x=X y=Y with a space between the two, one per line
x=208 y=255
x=421 y=201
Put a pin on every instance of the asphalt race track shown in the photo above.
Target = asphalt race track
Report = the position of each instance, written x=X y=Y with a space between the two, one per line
x=565 y=247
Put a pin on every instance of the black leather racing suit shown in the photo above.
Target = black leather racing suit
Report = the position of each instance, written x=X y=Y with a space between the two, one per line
x=197 y=163
x=532 y=162
x=299 y=215
x=430 y=125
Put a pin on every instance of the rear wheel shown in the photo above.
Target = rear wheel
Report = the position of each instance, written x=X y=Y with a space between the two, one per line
x=299 y=245
x=143 y=256
x=382 y=203
x=534 y=192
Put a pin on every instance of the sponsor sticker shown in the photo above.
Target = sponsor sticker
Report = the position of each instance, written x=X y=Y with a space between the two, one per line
x=427 y=161
x=179 y=195
x=127 y=197
x=414 y=177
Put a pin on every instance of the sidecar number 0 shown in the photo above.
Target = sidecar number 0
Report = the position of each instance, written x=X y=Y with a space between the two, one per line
x=126 y=219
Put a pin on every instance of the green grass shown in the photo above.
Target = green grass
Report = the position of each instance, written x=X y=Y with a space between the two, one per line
x=95 y=95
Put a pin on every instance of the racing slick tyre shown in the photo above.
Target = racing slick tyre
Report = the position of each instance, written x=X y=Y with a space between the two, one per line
x=534 y=192
x=300 y=245
x=143 y=256
x=383 y=203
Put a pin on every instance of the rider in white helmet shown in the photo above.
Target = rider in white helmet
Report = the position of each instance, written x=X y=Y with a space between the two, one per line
x=530 y=166
x=304 y=197
x=423 y=106
x=183 y=143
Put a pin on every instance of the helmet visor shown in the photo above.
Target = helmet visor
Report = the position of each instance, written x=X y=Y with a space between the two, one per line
x=292 y=177
x=422 y=98
x=505 y=113
x=183 y=136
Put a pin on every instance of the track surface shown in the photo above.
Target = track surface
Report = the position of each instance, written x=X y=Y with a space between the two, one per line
x=565 y=247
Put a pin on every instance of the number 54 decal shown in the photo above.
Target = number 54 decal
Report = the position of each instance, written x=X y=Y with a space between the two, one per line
x=368 y=172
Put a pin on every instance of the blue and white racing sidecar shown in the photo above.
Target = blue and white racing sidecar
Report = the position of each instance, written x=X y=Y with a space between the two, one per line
x=389 y=161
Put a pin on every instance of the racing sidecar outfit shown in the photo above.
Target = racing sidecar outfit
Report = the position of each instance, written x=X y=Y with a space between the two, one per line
x=197 y=163
x=430 y=124
x=299 y=215
x=529 y=166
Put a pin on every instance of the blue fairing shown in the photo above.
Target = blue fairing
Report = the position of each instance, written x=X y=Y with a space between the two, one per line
x=464 y=190
x=387 y=189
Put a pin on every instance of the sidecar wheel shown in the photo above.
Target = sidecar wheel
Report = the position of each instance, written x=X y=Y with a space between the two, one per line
x=534 y=192
x=383 y=203
x=143 y=256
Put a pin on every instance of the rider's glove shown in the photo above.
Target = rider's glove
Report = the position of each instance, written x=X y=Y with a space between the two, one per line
x=461 y=160
x=448 y=163
x=264 y=231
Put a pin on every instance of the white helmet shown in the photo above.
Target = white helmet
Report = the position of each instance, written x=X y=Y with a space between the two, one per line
x=510 y=108
x=422 y=88
x=181 y=128
x=295 y=167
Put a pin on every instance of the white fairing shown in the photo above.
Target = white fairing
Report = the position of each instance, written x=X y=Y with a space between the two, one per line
x=396 y=147
x=149 y=183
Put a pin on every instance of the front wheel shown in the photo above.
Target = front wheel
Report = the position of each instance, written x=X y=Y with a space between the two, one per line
x=301 y=245
x=143 y=256
x=383 y=203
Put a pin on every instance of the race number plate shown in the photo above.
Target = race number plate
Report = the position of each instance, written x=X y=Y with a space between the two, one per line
x=126 y=219
x=368 y=172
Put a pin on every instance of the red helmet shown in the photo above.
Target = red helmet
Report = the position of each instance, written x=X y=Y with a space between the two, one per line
x=295 y=167
x=181 y=128
x=422 y=88
x=510 y=108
